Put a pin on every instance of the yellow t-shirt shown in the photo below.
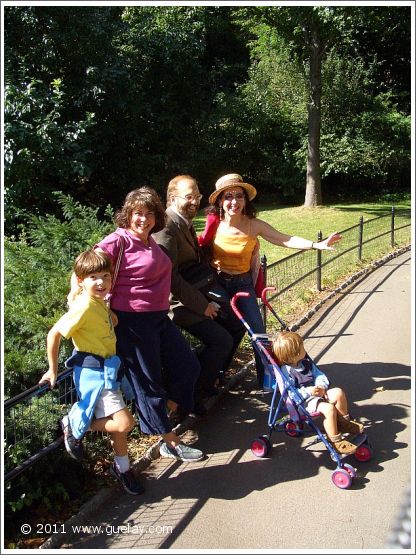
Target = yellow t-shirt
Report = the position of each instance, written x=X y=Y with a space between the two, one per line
x=88 y=323
x=233 y=253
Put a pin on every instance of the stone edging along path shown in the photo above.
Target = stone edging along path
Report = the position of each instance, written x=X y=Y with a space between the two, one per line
x=85 y=516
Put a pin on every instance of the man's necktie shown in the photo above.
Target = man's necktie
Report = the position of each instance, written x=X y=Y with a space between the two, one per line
x=195 y=238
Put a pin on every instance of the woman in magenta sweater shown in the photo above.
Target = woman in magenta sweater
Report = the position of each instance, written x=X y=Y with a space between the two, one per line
x=147 y=340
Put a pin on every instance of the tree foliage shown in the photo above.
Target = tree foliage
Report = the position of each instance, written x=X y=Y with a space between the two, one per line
x=101 y=99
x=38 y=266
x=40 y=150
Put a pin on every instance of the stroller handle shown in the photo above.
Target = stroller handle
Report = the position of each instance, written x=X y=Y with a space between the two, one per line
x=233 y=303
x=264 y=293
x=269 y=306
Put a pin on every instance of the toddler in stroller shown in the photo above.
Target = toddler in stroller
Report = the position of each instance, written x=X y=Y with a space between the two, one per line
x=301 y=392
x=314 y=388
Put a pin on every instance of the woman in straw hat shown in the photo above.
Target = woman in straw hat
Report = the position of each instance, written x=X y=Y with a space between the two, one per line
x=232 y=232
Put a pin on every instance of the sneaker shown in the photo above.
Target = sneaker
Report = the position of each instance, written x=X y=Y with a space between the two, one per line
x=127 y=479
x=73 y=446
x=181 y=452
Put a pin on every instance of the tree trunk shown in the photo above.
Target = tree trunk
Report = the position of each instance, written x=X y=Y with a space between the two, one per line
x=313 y=195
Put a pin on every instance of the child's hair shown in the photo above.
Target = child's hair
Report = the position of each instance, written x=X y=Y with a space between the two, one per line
x=287 y=346
x=90 y=262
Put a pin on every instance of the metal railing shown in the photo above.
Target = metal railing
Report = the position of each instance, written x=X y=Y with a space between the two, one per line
x=31 y=419
x=299 y=276
x=32 y=423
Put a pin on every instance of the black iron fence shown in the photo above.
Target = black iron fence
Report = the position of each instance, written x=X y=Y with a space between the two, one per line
x=31 y=423
x=299 y=276
x=31 y=419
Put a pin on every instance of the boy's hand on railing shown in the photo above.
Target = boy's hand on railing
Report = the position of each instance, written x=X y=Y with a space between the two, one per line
x=48 y=377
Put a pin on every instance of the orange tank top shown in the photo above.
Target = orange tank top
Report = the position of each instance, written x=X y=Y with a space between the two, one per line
x=232 y=253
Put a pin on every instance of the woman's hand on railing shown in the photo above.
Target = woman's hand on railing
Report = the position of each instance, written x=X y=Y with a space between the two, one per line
x=326 y=244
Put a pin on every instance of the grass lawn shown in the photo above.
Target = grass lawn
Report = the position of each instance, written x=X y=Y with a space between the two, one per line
x=307 y=222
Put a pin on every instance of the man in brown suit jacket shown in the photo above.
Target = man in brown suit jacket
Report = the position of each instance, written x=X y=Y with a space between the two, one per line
x=190 y=309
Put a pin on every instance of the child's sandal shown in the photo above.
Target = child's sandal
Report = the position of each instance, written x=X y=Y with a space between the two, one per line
x=349 y=426
x=345 y=447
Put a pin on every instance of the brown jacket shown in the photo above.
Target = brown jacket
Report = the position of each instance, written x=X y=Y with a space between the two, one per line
x=187 y=303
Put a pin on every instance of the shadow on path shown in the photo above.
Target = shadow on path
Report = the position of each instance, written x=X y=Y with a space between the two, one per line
x=176 y=492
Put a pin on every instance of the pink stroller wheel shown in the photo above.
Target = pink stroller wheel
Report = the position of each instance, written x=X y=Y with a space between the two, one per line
x=364 y=453
x=341 y=478
x=291 y=429
x=260 y=447
x=350 y=469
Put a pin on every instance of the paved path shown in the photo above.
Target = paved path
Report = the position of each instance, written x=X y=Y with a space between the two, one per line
x=232 y=500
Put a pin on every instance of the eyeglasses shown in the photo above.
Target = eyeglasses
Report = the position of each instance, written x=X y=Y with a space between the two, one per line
x=230 y=196
x=190 y=198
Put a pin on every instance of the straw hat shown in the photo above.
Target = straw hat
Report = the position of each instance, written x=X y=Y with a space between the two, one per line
x=228 y=181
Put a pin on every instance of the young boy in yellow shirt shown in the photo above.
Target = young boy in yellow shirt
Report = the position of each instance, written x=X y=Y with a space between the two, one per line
x=100 y=406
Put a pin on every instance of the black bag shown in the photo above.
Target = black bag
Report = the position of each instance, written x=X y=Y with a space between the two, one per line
x=199 y=275
x=203 y=277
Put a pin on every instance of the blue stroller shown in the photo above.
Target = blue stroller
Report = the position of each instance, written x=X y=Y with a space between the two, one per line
x=287 y=413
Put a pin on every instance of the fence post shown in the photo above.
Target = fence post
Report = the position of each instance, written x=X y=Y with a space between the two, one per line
x=263 y=265
x=319 y=265
x=360 y=238
x=392 y=226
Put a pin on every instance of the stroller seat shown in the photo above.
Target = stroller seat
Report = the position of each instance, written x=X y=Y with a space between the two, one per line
x=276 y=378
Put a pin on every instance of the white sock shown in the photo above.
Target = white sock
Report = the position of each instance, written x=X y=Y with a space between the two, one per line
x=122 y=463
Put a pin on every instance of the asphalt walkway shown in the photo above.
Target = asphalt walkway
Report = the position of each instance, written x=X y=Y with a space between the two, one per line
x=231 y=500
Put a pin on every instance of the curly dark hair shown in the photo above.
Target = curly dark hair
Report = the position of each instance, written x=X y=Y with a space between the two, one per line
x=143 y=197
x=249 y=208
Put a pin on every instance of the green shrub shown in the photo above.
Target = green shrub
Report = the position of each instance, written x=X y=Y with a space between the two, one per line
x=37 y=270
